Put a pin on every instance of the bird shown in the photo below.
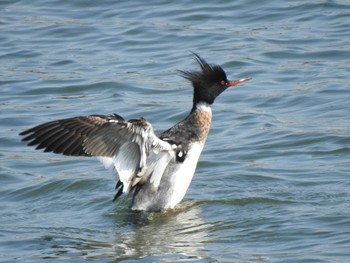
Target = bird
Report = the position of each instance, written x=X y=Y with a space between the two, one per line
x=154 y=170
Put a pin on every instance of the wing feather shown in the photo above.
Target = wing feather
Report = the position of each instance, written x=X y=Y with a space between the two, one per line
x=159 y=169
x=130 y=147
x=126 y=162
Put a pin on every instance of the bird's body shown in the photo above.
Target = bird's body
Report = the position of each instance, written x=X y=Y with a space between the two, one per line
x=155 y=170
x=190 y=136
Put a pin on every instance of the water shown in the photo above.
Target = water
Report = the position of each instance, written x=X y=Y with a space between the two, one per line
x=273 y=181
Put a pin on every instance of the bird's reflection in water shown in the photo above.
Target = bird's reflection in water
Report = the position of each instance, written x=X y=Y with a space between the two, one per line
x=175 y=232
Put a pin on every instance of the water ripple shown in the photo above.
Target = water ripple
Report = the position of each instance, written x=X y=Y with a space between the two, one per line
x=272 y=183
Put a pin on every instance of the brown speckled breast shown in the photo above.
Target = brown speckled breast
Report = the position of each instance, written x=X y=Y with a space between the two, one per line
x=201 y=119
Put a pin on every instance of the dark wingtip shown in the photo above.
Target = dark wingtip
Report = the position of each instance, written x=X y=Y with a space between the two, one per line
x=23 y=133
x=27 y=134
x=119 y=187
x=118 y=194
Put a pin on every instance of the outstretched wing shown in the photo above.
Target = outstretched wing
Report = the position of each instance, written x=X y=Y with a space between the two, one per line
x=131 y=147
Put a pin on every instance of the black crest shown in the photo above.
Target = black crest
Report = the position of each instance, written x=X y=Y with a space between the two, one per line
x=207 y=83
x=213 y=74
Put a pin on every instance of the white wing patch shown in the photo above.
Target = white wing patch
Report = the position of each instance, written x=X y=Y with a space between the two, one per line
x=127 y=161
x=142 y=157
x=106 y=161
x=156 y=165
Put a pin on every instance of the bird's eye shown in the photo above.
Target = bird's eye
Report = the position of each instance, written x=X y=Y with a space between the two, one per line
x=223 y=82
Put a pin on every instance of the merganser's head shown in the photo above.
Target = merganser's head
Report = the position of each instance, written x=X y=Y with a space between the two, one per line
x=210 y=82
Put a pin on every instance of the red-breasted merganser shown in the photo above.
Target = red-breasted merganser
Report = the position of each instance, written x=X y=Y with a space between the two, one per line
x=155 y=169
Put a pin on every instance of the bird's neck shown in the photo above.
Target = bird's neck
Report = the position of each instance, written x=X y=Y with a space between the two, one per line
x=201 y=106
x=200 y=117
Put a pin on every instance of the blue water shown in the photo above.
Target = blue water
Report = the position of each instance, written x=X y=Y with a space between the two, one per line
x=272 y=184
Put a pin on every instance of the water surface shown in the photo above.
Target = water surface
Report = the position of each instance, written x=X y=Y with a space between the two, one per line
x=272 y=184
